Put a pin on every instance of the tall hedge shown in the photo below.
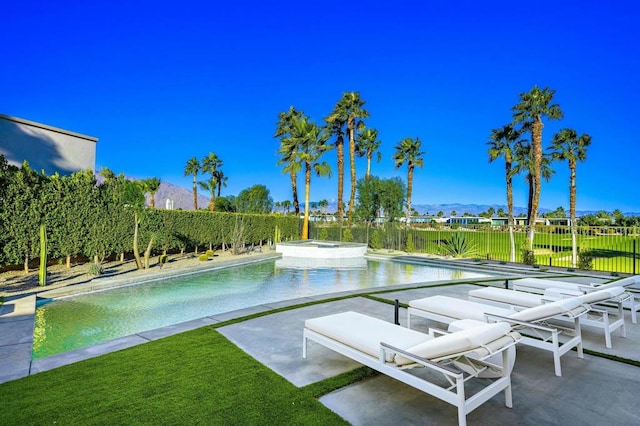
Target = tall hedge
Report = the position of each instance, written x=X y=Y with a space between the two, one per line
x=85 y=218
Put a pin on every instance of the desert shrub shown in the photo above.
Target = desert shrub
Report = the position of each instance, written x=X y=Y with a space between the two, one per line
x=528 y=257
x=375 y=242
x=95 y=269
x=458 y=245
x=323 y=234
x=210 y=253
x=203 y=257
x=585 y=260
x=162 y=259
x=347 y=235
x=410 y=246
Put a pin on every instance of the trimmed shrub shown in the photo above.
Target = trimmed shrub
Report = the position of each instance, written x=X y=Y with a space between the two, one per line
x=347 y=235
x=528 y=257
x=585 y=260
x=210 y=253
x=203 y=257
x=410 y=247
x=375 y=241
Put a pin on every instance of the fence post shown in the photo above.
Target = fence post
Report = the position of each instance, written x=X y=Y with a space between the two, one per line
x=634 y=257
x=396 y=313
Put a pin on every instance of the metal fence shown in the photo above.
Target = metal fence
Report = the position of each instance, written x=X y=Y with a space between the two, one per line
x=612 y=249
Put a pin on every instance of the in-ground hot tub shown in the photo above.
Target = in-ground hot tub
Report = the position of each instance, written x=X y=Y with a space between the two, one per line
x=321 y=249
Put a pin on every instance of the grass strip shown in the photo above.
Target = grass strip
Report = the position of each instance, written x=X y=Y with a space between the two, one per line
x=616 y=358
x=318 y=389
x=196 y=377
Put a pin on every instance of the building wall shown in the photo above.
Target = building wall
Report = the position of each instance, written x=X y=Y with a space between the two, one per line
x=45 y=147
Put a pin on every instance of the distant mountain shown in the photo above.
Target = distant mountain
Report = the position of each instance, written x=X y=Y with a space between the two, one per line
x=473 y=209
x=182 y=198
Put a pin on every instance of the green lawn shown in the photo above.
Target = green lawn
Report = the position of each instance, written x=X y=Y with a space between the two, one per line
x=197 y=377
x=612 y=252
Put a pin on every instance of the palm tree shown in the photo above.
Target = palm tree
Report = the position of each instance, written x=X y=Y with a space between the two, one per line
x=408 y=151
x=211 y=164
x=221 y=179
x=308 y=141
x=502 y=144
x=348 y=110
x=288 y=159
x=150 y=186
x=323 y=204
x=210 y=186
x=567 y=145
x=524 y=163
x=335 y=127
x=368 y=144
x=286 y=205
x=193 y=168
x=533 y=107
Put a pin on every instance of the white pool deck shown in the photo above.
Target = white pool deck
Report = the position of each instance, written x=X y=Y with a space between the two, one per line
x=592 y=390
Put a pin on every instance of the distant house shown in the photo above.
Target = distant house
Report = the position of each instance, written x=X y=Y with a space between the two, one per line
x=468 y=220
x=45 y=147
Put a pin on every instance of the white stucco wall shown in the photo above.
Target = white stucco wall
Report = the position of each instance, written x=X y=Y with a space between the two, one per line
x=45 y=147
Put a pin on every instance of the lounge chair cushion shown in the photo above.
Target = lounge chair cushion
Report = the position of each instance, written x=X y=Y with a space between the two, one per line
x=542 y=284
x=570 y=307
x=365 y=333
x=601 y=295
x=457 y=308
x=459 y=342
x=624 y=282
x=511 y=297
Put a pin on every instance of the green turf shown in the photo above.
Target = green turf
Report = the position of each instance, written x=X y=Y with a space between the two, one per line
x=198 y=377
x=552 y=246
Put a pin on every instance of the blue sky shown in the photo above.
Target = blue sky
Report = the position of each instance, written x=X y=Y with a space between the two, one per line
x=160 y=82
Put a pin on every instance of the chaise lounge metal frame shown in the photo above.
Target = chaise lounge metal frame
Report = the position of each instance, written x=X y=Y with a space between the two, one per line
x=454 y=393
x=537 y=333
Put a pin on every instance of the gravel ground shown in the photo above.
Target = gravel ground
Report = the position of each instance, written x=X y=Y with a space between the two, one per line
x=17 y=283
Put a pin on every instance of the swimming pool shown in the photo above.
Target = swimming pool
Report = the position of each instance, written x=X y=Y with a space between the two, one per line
x=88 y=319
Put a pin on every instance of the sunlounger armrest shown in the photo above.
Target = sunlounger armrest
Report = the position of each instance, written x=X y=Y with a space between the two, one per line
x=427 y=363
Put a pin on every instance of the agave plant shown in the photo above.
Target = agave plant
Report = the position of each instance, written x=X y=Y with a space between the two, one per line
x=458 y=245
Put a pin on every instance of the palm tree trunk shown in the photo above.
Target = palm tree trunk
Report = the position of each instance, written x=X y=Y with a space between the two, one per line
x=536 y=137
x=340 y=155
x=512 y=243
x=147 y=253
x=530 y=209
x=307 y=191
x=369 y=155
x=212 y=201
x=136 y=252
x=294 y=190
x=352 y=160
x=409 y=191
x=195 y=193
x=572 y=212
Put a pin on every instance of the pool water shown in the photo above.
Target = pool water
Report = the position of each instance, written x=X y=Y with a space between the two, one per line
x=88 y=319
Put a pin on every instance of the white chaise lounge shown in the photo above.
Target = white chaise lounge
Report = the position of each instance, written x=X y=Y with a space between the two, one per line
x=393 y=350
x=596 y=317
x=531 y=321
x=538 y=285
